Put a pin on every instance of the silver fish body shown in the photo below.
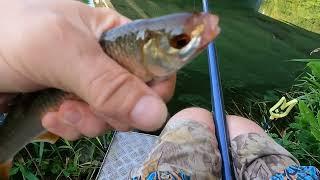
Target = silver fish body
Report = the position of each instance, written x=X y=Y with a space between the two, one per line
x=150 y=48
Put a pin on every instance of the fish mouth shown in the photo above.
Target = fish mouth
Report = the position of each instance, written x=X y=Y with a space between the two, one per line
x=204 y=25
x=191 y=49
x=179 y=43
x=200 y=30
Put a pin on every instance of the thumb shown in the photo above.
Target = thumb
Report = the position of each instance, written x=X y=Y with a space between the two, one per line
x=113 y=92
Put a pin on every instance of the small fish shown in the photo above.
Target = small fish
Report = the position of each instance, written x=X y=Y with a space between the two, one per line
x=156 y=48
x=152 y=49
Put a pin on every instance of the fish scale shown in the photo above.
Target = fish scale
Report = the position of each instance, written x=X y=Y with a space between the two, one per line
x=123 y=49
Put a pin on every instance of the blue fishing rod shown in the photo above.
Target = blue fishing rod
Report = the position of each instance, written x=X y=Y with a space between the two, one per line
x=218 y=109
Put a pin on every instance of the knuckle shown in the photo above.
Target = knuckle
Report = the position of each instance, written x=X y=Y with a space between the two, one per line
x=114 y=15
x=105 y=89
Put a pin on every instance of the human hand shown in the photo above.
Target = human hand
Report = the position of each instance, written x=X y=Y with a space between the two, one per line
x=50 y=43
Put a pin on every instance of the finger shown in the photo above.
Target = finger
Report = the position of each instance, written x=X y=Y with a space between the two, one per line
x=118 y=125
x=165 y=89
x=52 y=123
x=106 y=19
x=79 y=116
x=111 y=90
x=101 y=19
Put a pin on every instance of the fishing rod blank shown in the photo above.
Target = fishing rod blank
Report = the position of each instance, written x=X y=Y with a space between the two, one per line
x=218 y=109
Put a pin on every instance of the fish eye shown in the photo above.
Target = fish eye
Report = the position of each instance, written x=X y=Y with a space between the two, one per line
x=180 y=41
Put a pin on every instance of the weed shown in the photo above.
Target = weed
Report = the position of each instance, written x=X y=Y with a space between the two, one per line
x=302 y=137
x=299 y=132
x=64 y=160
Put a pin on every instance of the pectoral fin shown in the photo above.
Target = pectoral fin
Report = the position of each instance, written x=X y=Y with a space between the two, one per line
x=47 y=137
x=5 y=169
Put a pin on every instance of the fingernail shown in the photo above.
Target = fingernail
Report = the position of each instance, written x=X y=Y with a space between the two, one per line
x=149 y=113
x=71 y=117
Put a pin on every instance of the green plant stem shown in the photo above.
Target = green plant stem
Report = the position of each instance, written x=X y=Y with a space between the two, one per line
x=35 y=164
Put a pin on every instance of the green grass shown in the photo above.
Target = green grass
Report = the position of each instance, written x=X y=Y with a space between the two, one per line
x=63 y=160
x=302 y=137
x=301 y=13
x=299 y=132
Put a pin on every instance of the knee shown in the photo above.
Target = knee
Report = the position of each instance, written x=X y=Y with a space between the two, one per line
x=236 y=125
x=200 y=115
x=239 y=125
